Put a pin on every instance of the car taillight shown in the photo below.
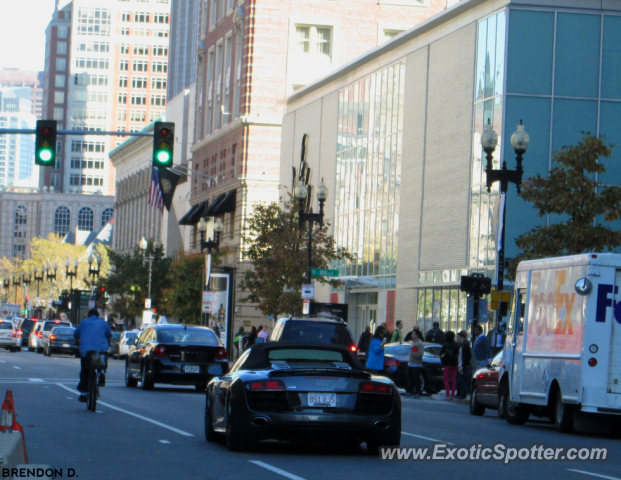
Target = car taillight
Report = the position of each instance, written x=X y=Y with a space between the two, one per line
x=159 y=351
x=52 y=337
x=372 y=387
x=390 y=362
x=41 y=335
x=266 y=386
x=221 y=354
x=15 y=333
x=353 y=348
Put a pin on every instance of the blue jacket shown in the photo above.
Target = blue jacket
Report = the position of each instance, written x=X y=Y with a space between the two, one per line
x=375 y=355
x=93 y=333
x=481 y=349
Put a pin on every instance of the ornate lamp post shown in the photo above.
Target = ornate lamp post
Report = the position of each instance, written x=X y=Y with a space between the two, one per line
x=71 y=274
x=301 y=193
x=16 y=282
x=519 y=141
x=210 y=244
x=50 y=274
x=38 y=278
x=26 y=282
x=7 y=286
x=94 y=263
x=149 y=258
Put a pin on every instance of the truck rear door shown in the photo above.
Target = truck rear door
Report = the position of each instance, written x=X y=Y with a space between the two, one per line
x=517 y=343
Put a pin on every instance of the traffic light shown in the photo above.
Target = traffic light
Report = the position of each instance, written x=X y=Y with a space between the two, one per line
x=163 y=144
x=476 y=284
x=45 y=143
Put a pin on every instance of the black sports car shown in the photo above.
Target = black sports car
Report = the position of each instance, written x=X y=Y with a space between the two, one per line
x=293 y=390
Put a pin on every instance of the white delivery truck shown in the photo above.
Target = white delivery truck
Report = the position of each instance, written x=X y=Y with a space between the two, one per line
x=562 y=357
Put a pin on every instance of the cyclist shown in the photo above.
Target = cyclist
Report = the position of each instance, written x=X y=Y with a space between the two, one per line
x=93 y=333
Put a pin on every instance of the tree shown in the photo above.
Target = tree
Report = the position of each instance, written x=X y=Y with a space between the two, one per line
x=276 y=247
x=183 y=297
x=572 y=190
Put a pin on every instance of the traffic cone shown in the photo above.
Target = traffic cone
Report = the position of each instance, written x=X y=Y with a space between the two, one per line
x=8 y=412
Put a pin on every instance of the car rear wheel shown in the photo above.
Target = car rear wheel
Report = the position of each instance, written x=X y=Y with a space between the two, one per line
x=146 y=378
x=476 y=408
x=210 y=434
x=39 y=350
x=514 y=413
x=129 y=380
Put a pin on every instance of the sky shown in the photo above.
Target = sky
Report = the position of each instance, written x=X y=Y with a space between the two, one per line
x=22 y=33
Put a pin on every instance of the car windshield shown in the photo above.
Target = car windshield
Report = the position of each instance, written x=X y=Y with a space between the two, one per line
x=6 y=326
x=320 y=332
x=398 y=350
x=50 y=325
x=297 y=357
x=201 y=336
x=63 y=331
x=27 y=324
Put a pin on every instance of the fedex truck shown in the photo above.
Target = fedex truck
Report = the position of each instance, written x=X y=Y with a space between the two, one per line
x=562 y=357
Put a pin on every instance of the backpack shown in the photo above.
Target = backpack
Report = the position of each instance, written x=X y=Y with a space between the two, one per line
x=438 y=337
x=450 y=356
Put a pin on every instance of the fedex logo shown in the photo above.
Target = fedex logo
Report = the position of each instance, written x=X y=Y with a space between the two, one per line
x=604 y=300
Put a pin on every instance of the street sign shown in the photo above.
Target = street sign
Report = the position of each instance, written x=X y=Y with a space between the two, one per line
x=306 y=307
x=308 y=292
x=147 y=303
x=247 y=323
x=499 y=297
x=324 y=272
x=207 y=296
x=207 y=307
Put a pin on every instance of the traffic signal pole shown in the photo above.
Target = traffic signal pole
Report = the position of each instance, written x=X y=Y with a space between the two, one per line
x=17 y=131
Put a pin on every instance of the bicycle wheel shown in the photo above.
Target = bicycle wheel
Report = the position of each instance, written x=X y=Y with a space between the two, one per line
x=91 y=395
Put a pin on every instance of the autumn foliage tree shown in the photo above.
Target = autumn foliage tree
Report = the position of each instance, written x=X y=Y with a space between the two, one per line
x=183 y=297
x=573 y=191
x=276 y=247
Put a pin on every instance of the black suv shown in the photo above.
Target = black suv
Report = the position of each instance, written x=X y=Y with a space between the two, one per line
x=313 y=328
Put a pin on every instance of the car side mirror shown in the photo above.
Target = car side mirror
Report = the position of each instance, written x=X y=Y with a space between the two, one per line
x=215 y=370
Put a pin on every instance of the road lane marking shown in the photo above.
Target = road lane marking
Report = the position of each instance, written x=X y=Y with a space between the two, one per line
x=276 y=470
x=594 y=474
x=36 y=379
x=164 y=441
x=141 y=417
x=15 y=366
x=426 y=438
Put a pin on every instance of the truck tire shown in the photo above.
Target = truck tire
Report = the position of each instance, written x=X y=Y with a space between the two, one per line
x=514 y=413
x=563 y=414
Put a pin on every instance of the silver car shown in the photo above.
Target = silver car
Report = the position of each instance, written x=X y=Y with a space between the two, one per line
x=8 y=335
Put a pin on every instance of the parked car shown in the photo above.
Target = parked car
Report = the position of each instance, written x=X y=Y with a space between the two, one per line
x=396 y=357
x=60 y=340
x=113 y=349
x=313 y=328
x=485 y=391
x=8 y=336
x=174 y=354
x=46 y=328
x=24 y=330
x=33 y=338
x=301 y=390
x=124 y=342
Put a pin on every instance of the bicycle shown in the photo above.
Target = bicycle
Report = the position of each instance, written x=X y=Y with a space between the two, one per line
x=97 y=361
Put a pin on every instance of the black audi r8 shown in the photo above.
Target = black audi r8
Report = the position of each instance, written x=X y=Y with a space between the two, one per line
x=293 y=390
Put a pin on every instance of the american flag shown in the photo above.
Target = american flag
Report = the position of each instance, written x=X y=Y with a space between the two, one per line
x=155 y=191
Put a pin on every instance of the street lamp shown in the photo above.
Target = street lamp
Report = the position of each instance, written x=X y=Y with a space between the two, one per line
x=50 y=273
x=519 y=142
x=210 y=244
x=26 y=281
x=38 y=278
x=7 y=286
x=149 y=258
x=71 y=274
x=301 y=194
x=16 y=283
x=94 y=262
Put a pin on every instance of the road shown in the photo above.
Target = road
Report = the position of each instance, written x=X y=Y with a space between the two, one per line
x=138 y=434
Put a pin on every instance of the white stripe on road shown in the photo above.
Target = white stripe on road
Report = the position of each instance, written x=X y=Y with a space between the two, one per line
x=594 y=474
x=276 y=470
x=426 y=438
x=146 y=419
x=36 y=379
x=164 y=441
x=15 y=366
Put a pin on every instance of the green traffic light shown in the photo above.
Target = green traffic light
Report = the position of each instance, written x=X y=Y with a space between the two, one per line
x=163 y=156
x=45 y=155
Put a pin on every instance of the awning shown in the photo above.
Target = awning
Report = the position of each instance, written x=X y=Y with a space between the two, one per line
x=226 y=205
x=184 y=219
x=194 y=213
x=210 y=211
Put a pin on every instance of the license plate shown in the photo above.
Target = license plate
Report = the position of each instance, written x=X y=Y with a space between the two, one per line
x=65 y=345
x=192 y=369
x=322 y=399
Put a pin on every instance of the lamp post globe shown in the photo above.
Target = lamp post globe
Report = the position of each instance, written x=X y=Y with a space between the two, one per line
x=322 y=192
x=301 y=192
x=489 y=138
x=218 y=226
x=520 y=139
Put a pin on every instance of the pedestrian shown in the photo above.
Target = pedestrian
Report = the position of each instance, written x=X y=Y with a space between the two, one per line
x=259 y=338
x=415 y=365
x=365 y=340
x=481 y=348
x=449 y=355
x=496 y=339
x=375 y=356
x=237 y=337
x=435 y=335
x=251 y=339
x=264 y=334
x=408 y=337
x=397 y=335
x=464 y=371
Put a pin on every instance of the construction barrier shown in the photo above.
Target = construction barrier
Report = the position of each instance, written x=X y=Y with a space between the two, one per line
x=8 y=422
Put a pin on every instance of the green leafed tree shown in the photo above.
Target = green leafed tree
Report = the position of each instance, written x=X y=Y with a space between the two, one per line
x=573 y=191
x=183 y=298
x=277 y=248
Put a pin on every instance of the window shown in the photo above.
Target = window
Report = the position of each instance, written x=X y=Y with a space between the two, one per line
x=137 y=116
x=60 y=81
x=94 y=46
x=122 y=98
x=141 y=50
x=124 y=31
x=85 y=219
x=94 y=21
x=158 y=100
x=141 y=17
x=126 y=17
x=124 y=65
x=314 y=40
x=55 y=180
x=124 y=49
x=159 y=67
x=61 y=48
x=93 y=63
x=106 y=216
x=391 y=33
x=139 y=82
x=87 y=146
x=97 y=97
x=158 y=83
x=19 y=251
x=160 y=18
x=62 y=32
x=141 y=32
x=155 y=115
x=86 y=79
x=140 y=66
x=59 y=97
x=121 y=114
x=21 y=215
x=139 y=99
x=61 y=64
x=160 y=33
x=62 y=219
x=123 y=82
x=160 y=51
x=59 y=113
